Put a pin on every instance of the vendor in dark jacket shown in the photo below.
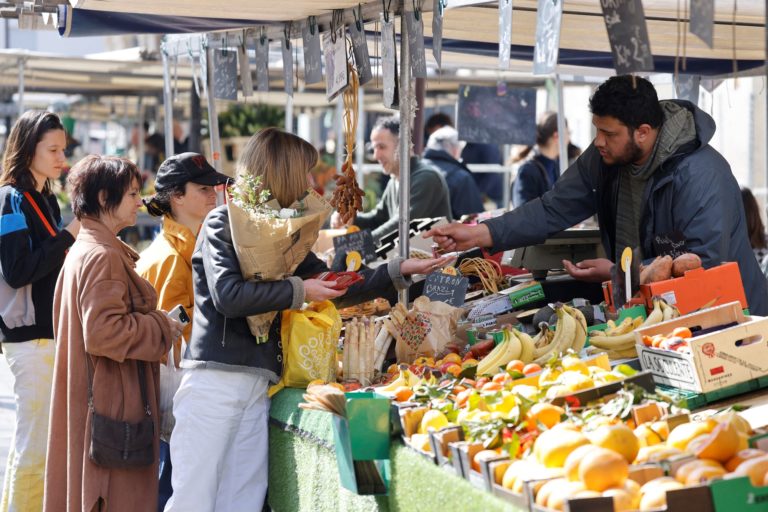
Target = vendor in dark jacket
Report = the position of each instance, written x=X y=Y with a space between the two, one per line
x=540 y=164
x=429 y=192
x=650 y=171
x=220 y=441
x=443 y=150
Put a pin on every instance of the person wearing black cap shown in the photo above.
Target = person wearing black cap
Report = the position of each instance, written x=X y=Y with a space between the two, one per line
x=184 y=194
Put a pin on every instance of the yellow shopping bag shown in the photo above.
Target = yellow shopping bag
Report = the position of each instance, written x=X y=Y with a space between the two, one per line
x=309 y=337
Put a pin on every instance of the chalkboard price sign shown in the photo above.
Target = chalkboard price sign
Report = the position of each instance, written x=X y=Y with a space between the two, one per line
x=225 y=74
x=550 y=14
x=670 y=244
x=494 y=115
x=360 y=241
x=310 y=35
x=703 y=20
x=446 y=288
x=389 y=63
x=628 y=35
x=415 y=26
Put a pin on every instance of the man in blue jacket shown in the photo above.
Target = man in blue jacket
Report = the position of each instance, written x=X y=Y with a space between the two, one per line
x=443 y=150
x=649 y=172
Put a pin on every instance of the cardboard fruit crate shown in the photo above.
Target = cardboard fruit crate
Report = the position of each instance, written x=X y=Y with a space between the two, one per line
x=699 y=288
x=441 y=441
x=738 y=494
x=720 y=358
x=467 y=452
x=518 y=501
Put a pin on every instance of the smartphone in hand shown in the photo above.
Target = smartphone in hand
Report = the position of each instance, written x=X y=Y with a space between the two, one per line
x=179 y=314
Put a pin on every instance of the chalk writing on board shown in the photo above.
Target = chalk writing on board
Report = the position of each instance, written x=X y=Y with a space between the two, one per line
x=310 y=36
x=389 y=63
x=360 y=49
x=703 y=20
x=549 y=17
x=437 y=30
x=415 y=26
x=446 y=288
x=225 y=74
x=360 y=241
x=335 y=52
x=505 y=32
x=628 y=35
x=287 y=50
x=494 y=115
x=262 y=64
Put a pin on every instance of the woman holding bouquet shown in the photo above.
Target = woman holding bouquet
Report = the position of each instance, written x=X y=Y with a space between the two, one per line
x=221 y=407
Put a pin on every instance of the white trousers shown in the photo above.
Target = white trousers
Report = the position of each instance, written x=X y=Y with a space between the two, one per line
x=220 y=441
x=31 y=364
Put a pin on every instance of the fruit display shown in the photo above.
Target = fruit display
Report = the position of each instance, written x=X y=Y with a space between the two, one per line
x=619 y=340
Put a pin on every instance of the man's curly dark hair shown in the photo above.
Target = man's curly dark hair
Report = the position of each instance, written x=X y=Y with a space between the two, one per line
x=631 y=100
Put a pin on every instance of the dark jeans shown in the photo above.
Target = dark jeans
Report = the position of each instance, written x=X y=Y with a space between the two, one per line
x=165 y=490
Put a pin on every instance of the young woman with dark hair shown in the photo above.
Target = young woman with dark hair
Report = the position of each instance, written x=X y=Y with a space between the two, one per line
x=32 y=250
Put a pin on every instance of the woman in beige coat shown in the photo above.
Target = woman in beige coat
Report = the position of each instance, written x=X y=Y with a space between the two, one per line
x=105 y=312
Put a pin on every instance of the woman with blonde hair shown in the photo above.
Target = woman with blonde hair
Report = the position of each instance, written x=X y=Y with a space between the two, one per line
x=220 y=440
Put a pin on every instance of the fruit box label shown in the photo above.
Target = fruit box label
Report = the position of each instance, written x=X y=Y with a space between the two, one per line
x=669 y=368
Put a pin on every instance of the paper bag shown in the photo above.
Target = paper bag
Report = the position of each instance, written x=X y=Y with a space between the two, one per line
x=426 y=329
x=269 y=249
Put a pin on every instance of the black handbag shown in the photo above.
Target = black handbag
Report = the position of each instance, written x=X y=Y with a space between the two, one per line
x=119 y=444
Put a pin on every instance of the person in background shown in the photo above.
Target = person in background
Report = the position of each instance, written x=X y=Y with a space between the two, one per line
x=322 y=174
x=429 y=192
x=650 y=171
x=540 y=166
x=443 y=150
x=220 y=441
x=110 y=338
x=184 y=195
x=489 y=184
x=32 y=251
x=755 y=226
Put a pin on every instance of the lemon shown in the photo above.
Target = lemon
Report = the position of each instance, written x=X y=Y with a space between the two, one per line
x=553 y=446
x=575 y=381
x=432 y=419
x=507 y=403
x=574 y=364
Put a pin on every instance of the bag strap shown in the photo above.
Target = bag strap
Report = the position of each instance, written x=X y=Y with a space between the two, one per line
x=140 y=366
x=40 y=213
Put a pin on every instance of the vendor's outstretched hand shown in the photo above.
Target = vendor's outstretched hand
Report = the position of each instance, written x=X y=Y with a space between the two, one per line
x=596 y=271
x=317 y=290
x=424 y=266
x=336 y=222
x=460 y=237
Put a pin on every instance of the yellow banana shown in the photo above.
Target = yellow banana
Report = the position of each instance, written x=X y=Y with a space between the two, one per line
x=580 y=338
x=624 y=327
x=503 y=353
x=528 y=347
x=656 y=316
x=622 y=342
x=565 y=330
x=622 y=354
x=405 y=378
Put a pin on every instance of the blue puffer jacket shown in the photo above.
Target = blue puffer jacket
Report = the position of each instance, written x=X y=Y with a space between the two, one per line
x=693 y=192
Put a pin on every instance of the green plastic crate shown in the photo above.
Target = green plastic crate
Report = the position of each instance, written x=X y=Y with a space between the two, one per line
x=693 y=400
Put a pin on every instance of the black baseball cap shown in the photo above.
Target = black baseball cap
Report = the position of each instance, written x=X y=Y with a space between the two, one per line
x=186 y=167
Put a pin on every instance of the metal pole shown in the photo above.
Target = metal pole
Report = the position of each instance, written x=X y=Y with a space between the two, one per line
x=289 y=114
x=21 y=87
x=213 y=118
x=168 y=106
x=193 y=143
x=405 y=148
x=561 y=129
x=418 y=122
x=506 y=196
x=140 y=150
x=360 y=136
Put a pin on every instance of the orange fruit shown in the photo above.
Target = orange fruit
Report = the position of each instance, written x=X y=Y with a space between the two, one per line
x=686 y=469
x=736 y=460
x=452 y=358
x=393 y=369
x=516 y=365
x=531 y=368
x=601 y=469
x=721 y=444
x=573 y=461
x=403 y=393
x=500 y=378
x=463 y=396
x=481 y=456
x=545 y=413
x=619 y=438
x=469 y=362
x=682 y=332
x=704 y=474
x=482 y=381
x=491 y=386
x=755 y=469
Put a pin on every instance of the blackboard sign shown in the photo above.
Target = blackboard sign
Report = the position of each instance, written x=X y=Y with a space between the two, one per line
x=669 y=244
x=545 y=52
x=225 y=74
x=703 y=20
x=687 y=88
x=310 y=36
x=389 y=64
x=628 y=35
x=262 y=64
x=360 y=49
x=336 y=72
x=496 y=115
x=437 y=30
x=505 y=33
x=246 y=83
x=287 y=49
x=360 y=241
x=446 y=288
x=415 y=26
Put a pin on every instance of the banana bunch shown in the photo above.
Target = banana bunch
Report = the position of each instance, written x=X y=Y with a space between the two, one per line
x=570 y=333
x=405 y=378
x=619 y=340
x=516 y=345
